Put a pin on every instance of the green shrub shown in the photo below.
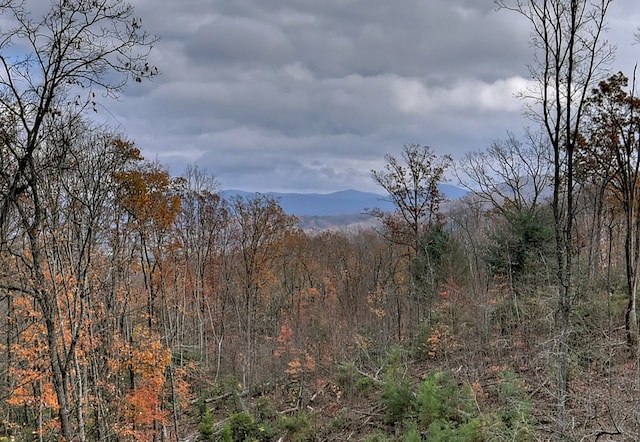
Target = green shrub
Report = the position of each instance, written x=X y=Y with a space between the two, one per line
x=206 y=427
x=231 y=384
x=347 y=377
x=442 y=398
x=513 y=420
x=365 y=385
x=242 y=427
x=298 y=428
x=443 y=430
x=411 y=433
x=398 y=399
x=446 y=410
x=264 y=410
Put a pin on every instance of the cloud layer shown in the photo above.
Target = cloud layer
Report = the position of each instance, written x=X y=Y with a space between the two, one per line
x=307 y=95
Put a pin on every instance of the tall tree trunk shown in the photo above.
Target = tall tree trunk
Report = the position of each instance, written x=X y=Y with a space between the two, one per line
x=58 y=369
x=631 y=252
x=631 y=322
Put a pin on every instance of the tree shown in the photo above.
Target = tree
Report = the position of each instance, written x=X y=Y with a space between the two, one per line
x=614 y=138
x=77 y=48
x=69 y=54
x=570 y=55
x=151 y=198
x=261 y=227
x=511 y=181
x=509 y=175
x=201 y=226
x=413 y=187
x=520 y=247
x=77 y=197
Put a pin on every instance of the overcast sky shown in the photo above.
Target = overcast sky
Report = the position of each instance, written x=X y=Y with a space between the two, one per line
x=309 y=95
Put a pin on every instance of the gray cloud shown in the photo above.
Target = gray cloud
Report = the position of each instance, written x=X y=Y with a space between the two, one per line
x=303 y=95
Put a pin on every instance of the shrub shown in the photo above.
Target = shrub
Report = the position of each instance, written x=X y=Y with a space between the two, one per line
x=442 y=398
x=397 y=397
x=298 y=428
x=411 y=433
x=242 y=427
x=446 y=410
x=347 y=377
x=206 y=427
x=443 y=430
x=513 y=420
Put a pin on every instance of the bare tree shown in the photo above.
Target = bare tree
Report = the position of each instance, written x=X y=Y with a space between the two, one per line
x=201 y=226
x=412 y=187
x=261 y=227
x=511 y=183
x=570 y=55
x=76 y=49
x=509 y=175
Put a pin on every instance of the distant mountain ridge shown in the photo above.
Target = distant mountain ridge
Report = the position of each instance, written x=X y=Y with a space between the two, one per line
x=343 y=202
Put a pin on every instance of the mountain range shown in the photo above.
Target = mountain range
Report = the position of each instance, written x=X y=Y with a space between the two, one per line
x=345 y=202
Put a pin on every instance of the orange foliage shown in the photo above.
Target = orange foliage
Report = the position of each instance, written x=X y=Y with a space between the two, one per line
x=144 y=406
x=146 y=357
x=286 y=333
x=141 y=410
x=147 y=195
x=33 y=385
x=25 y=393
x=441 y=341
x=182 y=387
x=300 y=362
x=148 y=360
x=297 y=367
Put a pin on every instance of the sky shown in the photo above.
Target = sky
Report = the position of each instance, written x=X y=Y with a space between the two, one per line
x=309 y=96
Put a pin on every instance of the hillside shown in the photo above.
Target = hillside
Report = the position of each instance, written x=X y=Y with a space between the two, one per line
x=345 y=202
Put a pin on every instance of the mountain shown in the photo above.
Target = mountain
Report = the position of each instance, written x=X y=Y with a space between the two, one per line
x=344 y=202
x=452 y=192
x=320 y=204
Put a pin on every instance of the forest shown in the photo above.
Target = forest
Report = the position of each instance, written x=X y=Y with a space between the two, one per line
x=140 y=306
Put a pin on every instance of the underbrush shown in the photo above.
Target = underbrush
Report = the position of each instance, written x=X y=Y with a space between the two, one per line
x=396 y=403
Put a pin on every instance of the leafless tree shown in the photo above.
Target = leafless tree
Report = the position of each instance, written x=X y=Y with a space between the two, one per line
x=571 y=54
x=509 y=175
x=412 y=185
x=51 y=67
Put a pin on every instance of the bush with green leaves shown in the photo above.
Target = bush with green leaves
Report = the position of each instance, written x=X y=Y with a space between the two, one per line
x=299 y=428
x=442 y=408
x=347 y=377
x=378 y=436
x=522 y=248
x=398 y=399
x=439 y=408
x=446 y=410
x=264 y=410
x=513 y=419
x=397 y=391
x=206 y=425
x=242 y=427
x=411 y=432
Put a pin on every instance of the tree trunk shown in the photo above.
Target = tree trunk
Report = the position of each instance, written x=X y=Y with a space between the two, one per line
x=58 y=371
x=631 y=321
x=631 y=257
